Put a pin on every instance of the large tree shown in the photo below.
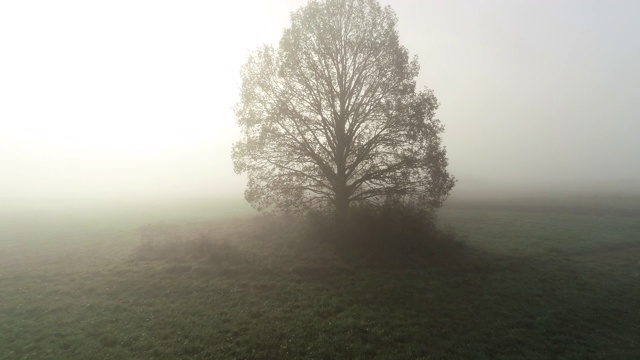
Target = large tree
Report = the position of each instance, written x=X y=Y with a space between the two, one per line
x=332 y=116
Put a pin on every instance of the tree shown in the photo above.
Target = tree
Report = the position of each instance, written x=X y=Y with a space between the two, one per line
x=332 y=116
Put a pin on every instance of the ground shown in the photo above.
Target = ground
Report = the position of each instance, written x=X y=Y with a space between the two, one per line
x=531 y=282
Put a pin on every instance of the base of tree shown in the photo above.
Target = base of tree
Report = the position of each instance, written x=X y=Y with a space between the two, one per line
x=389 y=234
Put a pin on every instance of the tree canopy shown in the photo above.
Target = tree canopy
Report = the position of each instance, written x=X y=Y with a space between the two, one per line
x=331 y=116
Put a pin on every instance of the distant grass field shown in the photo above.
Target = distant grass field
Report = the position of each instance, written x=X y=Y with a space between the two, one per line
x=531 y=283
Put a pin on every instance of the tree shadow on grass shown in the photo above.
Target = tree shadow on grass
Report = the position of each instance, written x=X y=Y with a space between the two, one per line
x=483 y=305
x=442 y=300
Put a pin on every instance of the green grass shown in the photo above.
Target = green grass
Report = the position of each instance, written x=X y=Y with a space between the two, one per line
x=528 y=285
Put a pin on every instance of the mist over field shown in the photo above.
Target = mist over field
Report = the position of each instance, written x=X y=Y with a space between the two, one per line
x=536 y=97
x=126 y=233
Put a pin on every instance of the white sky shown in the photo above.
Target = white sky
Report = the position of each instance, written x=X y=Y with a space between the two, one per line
x=134 y=98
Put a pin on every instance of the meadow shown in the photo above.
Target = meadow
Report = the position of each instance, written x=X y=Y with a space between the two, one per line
x=532 y=280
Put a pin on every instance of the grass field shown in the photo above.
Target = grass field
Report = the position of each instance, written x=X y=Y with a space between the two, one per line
x=531 y=282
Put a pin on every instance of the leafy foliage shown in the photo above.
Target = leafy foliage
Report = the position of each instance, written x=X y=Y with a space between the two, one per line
x=332 y=116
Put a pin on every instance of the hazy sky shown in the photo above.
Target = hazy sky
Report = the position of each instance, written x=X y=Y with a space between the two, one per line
x=134 y=98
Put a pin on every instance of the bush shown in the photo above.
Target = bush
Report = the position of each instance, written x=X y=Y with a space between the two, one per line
x=391 y=224
x=394 y=227
x=320 y=225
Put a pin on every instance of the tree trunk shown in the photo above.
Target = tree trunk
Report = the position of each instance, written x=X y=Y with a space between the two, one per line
x=342 y=213
x=342 y=195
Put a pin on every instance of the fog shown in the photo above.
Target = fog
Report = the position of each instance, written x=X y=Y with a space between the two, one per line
x=125 y=100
